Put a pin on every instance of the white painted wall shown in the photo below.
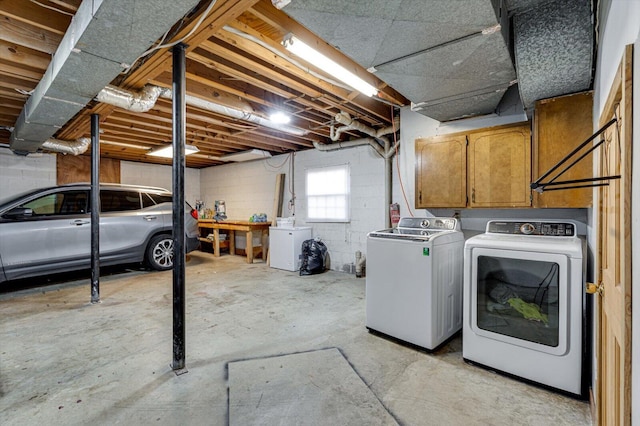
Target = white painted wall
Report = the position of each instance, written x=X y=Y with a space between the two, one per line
x=246 y=188
x=367 y=201
x=249 y=188
x=132 y=173
x=623 y=28
x=23 y=173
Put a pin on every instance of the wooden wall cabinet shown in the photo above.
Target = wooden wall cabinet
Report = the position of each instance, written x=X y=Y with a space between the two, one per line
x=500 y=167
x=441 y=171
x=481 y=168
x=560 y=125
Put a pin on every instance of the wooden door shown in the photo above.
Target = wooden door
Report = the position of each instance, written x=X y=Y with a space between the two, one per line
x=441 y=175
x=500 y=167
x=613 y=313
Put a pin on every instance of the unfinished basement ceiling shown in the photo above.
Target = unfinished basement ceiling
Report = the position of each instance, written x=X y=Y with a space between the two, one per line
x=430 y=54
x=453 y=59
x=449 y=58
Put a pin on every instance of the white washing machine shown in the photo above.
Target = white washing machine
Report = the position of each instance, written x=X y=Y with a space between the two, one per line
x=524 y=302
x=414 y=280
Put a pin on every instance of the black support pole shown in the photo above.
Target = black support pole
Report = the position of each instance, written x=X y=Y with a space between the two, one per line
x=179 y=131
x=95 y=208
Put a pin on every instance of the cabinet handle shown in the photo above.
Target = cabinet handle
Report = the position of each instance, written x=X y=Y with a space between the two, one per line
x=473 y=195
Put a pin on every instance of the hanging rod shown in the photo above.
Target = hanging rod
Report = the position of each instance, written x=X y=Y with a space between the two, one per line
x=540 y=186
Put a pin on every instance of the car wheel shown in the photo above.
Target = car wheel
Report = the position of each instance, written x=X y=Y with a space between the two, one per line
x=160 y=253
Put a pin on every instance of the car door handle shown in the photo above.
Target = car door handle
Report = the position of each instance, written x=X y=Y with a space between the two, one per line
x=149 y=218
x=80 y=222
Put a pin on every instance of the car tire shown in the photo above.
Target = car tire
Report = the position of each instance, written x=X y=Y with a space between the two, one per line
x=159 y=254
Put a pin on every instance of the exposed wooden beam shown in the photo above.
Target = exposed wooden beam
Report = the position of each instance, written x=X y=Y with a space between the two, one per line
x=265 y=10
x=20 y=55
x=24 y=34
x=16 y=83
x=282 y=64
x=20 y=72
x=31 y=13
x=223 y=12
x=12 y=94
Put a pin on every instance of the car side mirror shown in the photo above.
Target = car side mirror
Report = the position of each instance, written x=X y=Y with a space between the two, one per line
x=18 y=213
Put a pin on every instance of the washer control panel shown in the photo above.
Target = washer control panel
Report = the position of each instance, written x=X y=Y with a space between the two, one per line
x=553 y=229
x=439 y=223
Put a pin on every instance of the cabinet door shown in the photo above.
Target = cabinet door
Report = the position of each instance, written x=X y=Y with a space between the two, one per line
x=441 y=171
x=560 y=125
x=500 y=167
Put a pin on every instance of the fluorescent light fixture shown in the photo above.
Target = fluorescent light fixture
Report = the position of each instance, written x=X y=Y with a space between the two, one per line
x=304 y=51
x=167 y=151
x=279 y=118
x=252 y=154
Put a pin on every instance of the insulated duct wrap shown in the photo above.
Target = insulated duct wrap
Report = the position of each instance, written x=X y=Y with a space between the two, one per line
x=141 y=101
x=554 y=50
x=76 y=147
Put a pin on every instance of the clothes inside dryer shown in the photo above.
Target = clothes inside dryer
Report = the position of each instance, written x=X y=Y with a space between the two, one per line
x=519 y=298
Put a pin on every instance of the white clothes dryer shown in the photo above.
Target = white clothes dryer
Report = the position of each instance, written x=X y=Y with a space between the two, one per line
x=524 y=303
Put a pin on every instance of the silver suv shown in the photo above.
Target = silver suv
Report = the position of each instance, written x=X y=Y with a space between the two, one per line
x=48 y=230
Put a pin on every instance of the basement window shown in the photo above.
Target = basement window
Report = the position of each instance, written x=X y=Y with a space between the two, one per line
x=328 y=194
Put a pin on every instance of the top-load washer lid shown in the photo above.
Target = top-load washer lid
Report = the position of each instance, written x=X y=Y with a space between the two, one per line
x=420 y=228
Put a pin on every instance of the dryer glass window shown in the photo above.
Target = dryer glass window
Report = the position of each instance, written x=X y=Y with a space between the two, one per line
x=519 y=298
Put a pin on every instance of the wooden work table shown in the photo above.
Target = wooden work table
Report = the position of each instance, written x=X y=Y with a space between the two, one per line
x=236 y=225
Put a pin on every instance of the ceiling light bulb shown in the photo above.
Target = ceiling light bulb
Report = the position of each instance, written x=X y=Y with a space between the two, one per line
x=280 y=118
x=167 y=151
x=304 y=51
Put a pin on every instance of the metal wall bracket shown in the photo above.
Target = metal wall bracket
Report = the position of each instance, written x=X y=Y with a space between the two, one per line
x=557 y=185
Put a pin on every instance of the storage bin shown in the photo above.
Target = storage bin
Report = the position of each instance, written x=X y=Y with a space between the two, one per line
x=285 y=222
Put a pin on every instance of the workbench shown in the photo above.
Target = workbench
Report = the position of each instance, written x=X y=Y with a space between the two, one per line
x=231 y=226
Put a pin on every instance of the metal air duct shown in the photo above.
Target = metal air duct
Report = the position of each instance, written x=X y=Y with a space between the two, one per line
x=145 y=99
x=105 y=37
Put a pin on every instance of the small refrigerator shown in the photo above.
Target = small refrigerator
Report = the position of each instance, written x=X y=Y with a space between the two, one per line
x=285 y=246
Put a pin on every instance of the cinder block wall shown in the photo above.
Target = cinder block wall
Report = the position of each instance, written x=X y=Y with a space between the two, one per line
x=19 y=173
x=249 y=188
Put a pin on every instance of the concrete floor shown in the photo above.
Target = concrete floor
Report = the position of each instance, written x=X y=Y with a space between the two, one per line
x=64 y=361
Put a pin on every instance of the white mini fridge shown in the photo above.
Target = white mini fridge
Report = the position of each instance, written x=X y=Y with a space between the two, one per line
x=285 y=246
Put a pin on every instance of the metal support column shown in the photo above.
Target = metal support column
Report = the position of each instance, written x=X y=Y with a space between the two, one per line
x=95 y=208
x=179 y=133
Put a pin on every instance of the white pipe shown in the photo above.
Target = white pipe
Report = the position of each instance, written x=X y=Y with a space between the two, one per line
x=350 y=144
x=344 y=118
x=335 y=133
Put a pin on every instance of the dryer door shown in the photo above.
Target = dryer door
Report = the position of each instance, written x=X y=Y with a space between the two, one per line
x=520 y=298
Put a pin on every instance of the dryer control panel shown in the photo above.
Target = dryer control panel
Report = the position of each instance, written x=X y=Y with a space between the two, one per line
x=553 y=229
